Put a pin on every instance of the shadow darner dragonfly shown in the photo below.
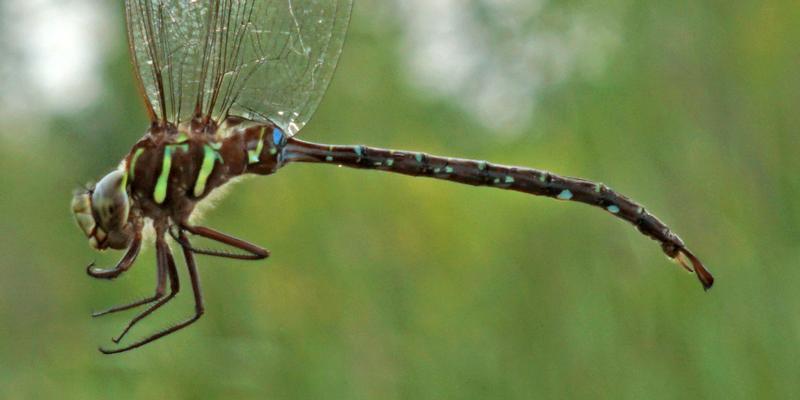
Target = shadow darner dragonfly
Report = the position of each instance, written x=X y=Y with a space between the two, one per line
x=227 y=84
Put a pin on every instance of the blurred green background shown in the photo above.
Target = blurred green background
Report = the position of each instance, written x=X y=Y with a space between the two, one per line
x=389 y=287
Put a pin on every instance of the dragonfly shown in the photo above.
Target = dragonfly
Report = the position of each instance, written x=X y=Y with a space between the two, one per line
x=227 y=85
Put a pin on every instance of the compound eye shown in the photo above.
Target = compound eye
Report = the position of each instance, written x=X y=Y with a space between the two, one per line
x=110 y=202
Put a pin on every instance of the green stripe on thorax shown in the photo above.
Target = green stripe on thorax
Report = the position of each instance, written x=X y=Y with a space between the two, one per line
x=210 y=157
x=132 y=165
x=253 y=156
x=160 y=191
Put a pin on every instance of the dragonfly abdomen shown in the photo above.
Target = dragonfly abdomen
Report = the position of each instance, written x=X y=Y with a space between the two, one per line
x=521 y=179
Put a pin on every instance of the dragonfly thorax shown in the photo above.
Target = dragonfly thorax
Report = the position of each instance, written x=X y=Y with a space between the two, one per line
x=169 y=171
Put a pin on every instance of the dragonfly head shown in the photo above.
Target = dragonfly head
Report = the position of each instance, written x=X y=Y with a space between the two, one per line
x=102 y=212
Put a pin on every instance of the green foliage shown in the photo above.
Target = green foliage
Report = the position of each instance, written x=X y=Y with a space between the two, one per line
x=386 y=287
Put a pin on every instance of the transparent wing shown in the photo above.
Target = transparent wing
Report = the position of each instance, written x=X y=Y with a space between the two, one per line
x=258 y=59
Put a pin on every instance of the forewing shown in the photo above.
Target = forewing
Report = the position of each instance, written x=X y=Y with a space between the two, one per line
x=258 y=59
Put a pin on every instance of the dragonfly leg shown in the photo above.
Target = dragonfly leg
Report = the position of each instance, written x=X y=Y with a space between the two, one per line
x=253 y=251
x=199 y=308
x=161 y=285
x=167 y=263
x=123 y=265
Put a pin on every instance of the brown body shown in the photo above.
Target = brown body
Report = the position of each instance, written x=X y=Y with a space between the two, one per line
x=201 y=63
x=233 y=143
x=172 y=168
x=521 y=179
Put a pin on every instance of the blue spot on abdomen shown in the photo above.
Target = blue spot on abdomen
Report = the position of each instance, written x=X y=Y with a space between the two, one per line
x=278 y=136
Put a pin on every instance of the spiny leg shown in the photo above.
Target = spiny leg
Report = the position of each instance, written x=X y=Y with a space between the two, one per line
x=255 y=252
x=166 y=262
x=123 y=265
x=161 y=285
x=199 y=308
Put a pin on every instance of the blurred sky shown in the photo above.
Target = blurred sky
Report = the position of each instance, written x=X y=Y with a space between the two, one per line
x=58 y=48
x=485 y=59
